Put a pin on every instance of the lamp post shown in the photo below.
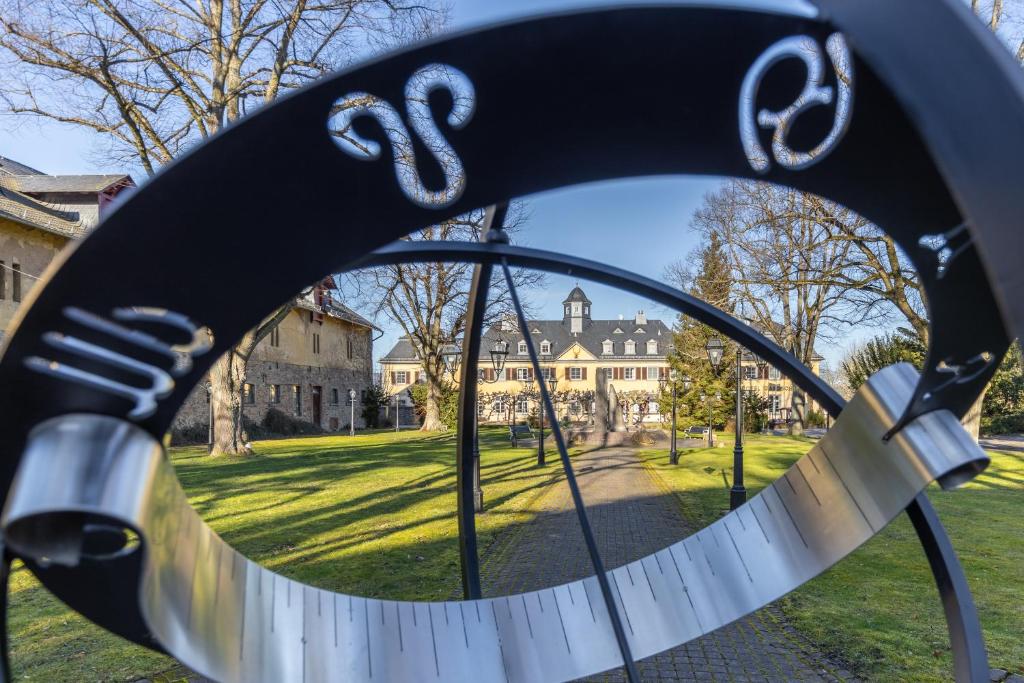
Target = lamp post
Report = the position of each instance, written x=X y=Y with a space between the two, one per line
x=738 y=494
x=673 y=376
x=352 y=412
x=452 y=356
x=715 y=348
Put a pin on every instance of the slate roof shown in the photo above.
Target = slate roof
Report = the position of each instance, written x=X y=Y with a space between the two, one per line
x=595 y=332
x=38 y=183
x=12 y=167
x=18 y=182
x=577 y=295
x=27 y=211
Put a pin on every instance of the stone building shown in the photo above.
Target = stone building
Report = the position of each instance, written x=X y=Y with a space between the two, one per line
x=628 y=355
x=304 y=368
x=39 y=215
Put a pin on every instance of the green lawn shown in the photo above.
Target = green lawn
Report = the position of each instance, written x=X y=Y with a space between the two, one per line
x=878 y=609
x=372 y=515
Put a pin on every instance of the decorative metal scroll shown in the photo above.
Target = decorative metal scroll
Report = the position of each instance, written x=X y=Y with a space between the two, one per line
x=87 y=399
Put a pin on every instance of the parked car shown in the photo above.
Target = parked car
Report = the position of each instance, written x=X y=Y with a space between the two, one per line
x=697 y=432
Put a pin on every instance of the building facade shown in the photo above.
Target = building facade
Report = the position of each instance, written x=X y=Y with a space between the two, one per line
x=629 y=355
x=304 y=368
x=39 y=215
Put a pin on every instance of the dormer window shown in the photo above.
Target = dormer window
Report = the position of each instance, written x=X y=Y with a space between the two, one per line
x=522 y=348
x=639 y=330
x=617 y=331
x=630 y=347
x=652 y=347
x=545 y=347
x=607 y=347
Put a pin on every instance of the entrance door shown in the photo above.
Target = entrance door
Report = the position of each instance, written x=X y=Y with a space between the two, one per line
x=317 y=393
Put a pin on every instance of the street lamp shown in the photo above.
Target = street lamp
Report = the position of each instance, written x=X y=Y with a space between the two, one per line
x=452 y=356
x=499 y=352
x=715 y=349
x=352 y=412
x=738 y=494
x=673 y=375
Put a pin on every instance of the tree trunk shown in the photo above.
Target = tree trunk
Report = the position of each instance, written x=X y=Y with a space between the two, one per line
x=972 y=418
x=432 y=410
x=227 y=376
x=798 y=405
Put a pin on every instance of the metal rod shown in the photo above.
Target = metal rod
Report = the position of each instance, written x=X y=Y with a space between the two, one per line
x=970 y=661
x=467 y=456
x=673 y=454
x=738 y=494
x=570 y=478
x=540 y=436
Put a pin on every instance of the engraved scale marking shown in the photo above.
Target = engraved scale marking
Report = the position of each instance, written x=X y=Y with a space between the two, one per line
x=806 y=481
x=848 y=491
x=746 y=569
x=790 y=515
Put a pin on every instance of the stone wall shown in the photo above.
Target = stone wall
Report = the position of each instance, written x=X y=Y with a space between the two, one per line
x=341 y=359
x=31 y=249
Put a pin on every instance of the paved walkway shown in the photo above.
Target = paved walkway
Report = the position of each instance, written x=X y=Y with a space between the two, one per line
x=633 y=515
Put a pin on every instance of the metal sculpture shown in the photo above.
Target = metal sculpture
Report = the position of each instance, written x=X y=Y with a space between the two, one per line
x=101 y=360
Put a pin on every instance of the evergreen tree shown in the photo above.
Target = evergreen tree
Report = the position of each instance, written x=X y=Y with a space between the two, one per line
x=881 y=352
x=712 y=283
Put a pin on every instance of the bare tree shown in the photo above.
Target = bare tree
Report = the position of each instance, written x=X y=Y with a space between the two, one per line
x=428 y=301
x=154 y=77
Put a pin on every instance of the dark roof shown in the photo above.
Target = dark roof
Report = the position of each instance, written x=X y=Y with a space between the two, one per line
x=92 y=184
x=401 y=351
x=577 y=295
x=12 y=167
x=27 y=211
x=592 y=338
x=334 y=309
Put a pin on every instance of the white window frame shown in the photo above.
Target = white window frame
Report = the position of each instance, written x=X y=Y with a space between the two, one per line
x=652 y=346
x=774 y=373
x=521 y=349
x=630 y=348
x=629 y=373
x=652 y=372
x=498 y=406
x=545 y=348
x=750 y=372
x=576 y=374
x=607 y=347
x=401 y=376
x=522 y=406
x=522 y=373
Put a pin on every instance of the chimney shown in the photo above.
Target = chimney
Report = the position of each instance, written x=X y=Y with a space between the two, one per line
x=641 y=318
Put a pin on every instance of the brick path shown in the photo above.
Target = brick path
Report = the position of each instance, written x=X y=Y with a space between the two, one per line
x=633 y=515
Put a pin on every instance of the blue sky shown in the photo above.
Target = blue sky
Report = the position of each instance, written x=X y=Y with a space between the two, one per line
x=640 y=225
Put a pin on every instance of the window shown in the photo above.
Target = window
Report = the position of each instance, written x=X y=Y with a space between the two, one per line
x=567 y=310
x=629 y=373
x=522 y=373
x=334 y=397
x=586 y=310
x=522 y=405
x=576 y=374
x=3 y=280
x=773 y=373
x=498 y=406
x=750 y=371
x=402 y=377
x=275 y=336
x=297 y=393
x=547 y=373
x=248 y=393
x=275 y=393
x=653 y=372
x=16 y=282
x=630 y=347
x=607 y=347
x=316 y=342
x=774 y=402
x=348 y=347
x=576 y=308
x=652 y=346
x=522 y=348
x=545 y=347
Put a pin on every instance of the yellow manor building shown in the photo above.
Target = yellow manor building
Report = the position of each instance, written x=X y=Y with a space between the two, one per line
x=630 y=354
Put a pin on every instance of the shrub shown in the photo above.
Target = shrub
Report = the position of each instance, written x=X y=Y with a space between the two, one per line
x=280 y=424
x=192 y=434
x=814 y=418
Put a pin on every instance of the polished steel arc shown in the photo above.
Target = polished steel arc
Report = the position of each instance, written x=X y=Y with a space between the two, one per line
x=232 y=620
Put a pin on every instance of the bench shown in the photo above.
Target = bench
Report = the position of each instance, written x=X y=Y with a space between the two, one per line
x=519 y=433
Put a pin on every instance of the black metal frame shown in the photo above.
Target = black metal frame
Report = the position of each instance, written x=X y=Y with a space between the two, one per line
x=544 y=120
